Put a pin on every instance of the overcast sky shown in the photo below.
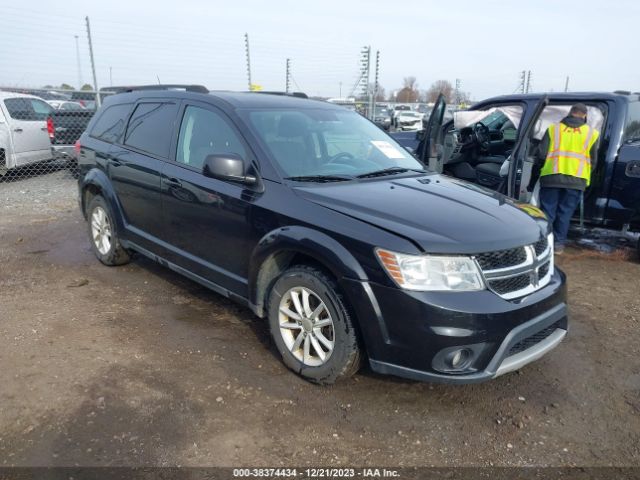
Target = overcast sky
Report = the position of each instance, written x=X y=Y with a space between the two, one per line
x=484 y=43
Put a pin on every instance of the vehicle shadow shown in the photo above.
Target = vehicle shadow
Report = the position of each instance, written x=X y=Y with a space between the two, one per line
x=259 y=327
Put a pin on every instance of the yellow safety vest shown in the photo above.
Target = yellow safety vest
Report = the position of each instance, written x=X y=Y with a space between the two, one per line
x=569 y=149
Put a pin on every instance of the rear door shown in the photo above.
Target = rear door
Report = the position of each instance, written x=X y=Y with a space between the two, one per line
x=428 y=150
x=134 y=167
x=623 y=204
x=28 y=129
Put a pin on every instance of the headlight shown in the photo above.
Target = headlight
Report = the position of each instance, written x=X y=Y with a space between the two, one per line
x=432 y=272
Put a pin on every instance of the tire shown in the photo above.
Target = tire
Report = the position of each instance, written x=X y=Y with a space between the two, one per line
x=102 y=234
x=343 y=359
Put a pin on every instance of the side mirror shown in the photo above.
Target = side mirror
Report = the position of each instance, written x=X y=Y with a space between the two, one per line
x=420 y=134
x=229 y=167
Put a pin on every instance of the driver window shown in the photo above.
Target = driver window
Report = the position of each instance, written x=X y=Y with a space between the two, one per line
x=205 y=132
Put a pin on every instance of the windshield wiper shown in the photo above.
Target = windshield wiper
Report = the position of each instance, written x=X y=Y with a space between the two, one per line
x=320 y=178
x=389 y=171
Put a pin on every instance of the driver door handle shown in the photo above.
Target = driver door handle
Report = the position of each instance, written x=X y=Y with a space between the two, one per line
x=17 y=130
x=173 y=182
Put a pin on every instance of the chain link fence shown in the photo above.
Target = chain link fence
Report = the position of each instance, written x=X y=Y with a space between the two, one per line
x=39 y=129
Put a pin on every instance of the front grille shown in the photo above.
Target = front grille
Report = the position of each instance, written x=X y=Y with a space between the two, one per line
x=541 y=245
x=517 y=271
x=502 y=258
x=534 y=339
x=543 y=270
x=511 y=284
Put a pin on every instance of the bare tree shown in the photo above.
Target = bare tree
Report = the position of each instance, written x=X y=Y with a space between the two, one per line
x=409 y=93
x=440 y=87
x=410 y=82
x=379 y=93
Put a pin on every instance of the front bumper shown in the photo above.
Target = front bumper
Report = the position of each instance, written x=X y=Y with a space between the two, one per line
x=407 y=333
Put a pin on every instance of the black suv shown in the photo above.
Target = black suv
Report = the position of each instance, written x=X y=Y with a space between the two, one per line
x=317 y=220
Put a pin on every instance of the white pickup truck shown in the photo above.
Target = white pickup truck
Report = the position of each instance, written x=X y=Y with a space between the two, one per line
x=24 y=138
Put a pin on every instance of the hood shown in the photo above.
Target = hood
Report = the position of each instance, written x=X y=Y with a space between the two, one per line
x=437 y=213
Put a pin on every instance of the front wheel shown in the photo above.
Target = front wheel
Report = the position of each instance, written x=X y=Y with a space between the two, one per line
x=311 y=326
x=103 y=236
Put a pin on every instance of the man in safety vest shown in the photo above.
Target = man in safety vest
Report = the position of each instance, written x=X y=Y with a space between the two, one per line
x=566 y=151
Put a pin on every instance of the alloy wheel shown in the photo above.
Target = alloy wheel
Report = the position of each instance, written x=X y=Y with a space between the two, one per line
x=306 y=326
x=101 y=230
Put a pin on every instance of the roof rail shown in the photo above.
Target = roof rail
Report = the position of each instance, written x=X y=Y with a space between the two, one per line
x=187 y=88
x=288 y=94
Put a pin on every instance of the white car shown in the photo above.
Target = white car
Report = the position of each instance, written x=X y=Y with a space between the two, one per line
x=409 y=120
x=23 y=130
x=65 y=105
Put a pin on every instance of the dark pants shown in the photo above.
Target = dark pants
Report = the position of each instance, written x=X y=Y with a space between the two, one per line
x=559 y=204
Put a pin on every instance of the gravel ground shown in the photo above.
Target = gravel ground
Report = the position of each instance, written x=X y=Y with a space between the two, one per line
x=136 y=365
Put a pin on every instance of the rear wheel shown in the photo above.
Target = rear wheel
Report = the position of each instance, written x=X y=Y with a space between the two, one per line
x=311 y=326
x=102 y=234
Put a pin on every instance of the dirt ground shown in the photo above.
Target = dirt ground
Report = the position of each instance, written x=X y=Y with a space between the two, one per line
x=136 y=365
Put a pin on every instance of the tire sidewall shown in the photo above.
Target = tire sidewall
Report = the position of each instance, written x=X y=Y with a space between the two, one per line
x=343 y=329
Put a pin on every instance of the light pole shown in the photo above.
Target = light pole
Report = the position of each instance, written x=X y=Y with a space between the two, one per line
x=78 y=63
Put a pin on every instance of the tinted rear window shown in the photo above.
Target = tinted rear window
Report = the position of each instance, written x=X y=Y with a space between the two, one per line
x=151 y=126
x=111 y=123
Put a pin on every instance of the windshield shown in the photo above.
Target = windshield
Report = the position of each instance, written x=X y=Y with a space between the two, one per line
x=313 y=142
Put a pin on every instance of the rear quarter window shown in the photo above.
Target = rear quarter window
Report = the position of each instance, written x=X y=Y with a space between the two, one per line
x=111 y=123
x=632 y=128
x=150 y=128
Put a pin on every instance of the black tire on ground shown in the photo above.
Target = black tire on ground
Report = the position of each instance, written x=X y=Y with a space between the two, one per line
x=346 y=357
x=116 y=254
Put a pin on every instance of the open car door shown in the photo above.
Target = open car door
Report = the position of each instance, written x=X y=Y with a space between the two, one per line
x=522 y=160
x=428 y=151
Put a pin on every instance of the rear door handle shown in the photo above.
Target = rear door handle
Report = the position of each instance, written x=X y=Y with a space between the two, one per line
x=44 y=129
x=17 y=129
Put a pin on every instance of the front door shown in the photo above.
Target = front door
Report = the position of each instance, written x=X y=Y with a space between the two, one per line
x=428 y=151
x=522 y=159
x=207 y=221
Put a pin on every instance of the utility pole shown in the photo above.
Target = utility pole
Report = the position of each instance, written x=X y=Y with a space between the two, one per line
x=246 y=46
x=78 y=62
x=457 y=94
x=523 y=75
x=288 y=80
x=566 y=84
x=365 y=67
x=93 y=64
x=340 y=96
x=111 y=76
x=528 y=81
x=375 y=85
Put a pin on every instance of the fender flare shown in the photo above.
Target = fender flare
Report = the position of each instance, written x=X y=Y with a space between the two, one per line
x=297 y=240
x=98 y=179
